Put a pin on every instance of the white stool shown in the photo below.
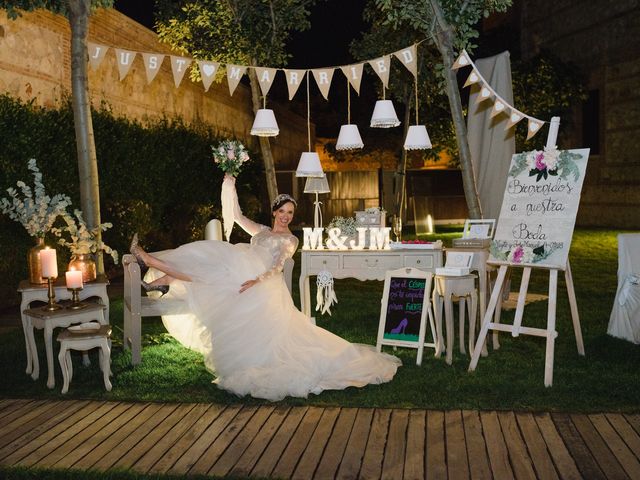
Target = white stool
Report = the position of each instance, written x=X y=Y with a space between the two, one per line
x=85 y=341
x=446 y=288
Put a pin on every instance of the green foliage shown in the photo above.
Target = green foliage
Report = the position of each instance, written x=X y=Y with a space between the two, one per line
x=13 y=7
x=157 y=179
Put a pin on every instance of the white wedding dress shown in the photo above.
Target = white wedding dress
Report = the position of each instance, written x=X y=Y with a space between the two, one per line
x=257 y=342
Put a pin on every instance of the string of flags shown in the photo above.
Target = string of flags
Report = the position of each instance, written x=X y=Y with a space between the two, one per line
x=500 y=105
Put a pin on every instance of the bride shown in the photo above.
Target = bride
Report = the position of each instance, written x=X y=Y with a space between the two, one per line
x=243 y=319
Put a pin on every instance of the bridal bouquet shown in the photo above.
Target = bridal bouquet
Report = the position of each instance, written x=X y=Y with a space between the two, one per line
x=82 y=239
x=35 y=210
x=230 y=155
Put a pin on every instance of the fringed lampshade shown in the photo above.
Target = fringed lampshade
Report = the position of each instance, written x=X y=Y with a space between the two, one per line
x=317 y=185
x=384 y=115
x=309 y=165
x=265 y=125
x=349 y=138
x=417 y=138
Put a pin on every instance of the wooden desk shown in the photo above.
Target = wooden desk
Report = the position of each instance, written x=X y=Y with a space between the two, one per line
x=361 y=264
x=31 y=293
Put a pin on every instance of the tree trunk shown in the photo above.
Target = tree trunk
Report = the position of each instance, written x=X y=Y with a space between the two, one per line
x=265 y=146
x=401 y=168
x=443 y=41
x=79 y=11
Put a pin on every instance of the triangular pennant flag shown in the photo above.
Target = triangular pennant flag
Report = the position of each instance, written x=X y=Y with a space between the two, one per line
x=179 y=66
x=514 y=117
x=96 y=54
x=234 y=74
x=483 y=94
x=207 y=72
x=473 y=78
x=533 y=127
x=152 y=63
x=294 y=79
x=354 y=75
x=381 y=67
x=462 y=61
x=323 y=78
x=124 y=59
x=409 y=58
x=498 y=108
x=265 y=78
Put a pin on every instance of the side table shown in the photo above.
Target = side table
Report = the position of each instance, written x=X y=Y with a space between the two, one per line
x=31 y=293
x=47 y=321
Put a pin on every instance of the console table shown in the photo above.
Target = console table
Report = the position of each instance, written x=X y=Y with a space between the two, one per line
x=31 y=293
x=362 y=265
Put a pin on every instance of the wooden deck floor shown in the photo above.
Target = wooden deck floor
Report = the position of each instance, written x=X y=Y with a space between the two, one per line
x=313 y=442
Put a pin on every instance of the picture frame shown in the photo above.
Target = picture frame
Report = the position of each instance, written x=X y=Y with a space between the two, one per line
x=483 y=228
x=405 y=309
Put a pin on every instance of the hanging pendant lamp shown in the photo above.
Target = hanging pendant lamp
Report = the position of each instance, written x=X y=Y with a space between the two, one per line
x=349 y=137
x=384 y=115
x=265 y=125
x=417 y=136
x=309 y=164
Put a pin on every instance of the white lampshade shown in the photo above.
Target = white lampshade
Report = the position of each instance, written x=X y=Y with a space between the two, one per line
x=309 y=165
x=384 y=115
x=417 y=138
x=317 y=185
x=265 y=124
x=349 y=138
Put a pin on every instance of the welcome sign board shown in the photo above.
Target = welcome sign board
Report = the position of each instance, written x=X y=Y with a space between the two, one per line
x=539 y=208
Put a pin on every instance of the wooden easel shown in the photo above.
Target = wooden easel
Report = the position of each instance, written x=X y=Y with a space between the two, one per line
x=550 y=332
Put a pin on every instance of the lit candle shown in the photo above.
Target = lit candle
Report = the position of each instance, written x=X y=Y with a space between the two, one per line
x=74 y=279
x=49 y=262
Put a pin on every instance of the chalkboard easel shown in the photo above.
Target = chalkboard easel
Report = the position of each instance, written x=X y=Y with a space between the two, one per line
x=405 y=308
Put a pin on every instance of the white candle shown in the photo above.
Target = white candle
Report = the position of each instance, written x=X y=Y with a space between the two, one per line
x=74 y=279
x=49 y=262
x=552 y=137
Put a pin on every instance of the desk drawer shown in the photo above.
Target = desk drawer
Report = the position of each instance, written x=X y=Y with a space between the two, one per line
x=422 y=262
x=382 y=262
x=324 y=262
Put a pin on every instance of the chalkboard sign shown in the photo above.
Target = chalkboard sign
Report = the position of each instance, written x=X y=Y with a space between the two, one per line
x=405 y=307
x=539 y=208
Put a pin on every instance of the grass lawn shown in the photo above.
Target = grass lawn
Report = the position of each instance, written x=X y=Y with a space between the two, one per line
x=606 y=379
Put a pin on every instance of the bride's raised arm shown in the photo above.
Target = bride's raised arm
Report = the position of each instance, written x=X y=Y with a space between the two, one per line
x=231 y=209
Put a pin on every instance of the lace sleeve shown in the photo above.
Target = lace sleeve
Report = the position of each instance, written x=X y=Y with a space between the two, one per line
x=230 y=204
x=287 y=249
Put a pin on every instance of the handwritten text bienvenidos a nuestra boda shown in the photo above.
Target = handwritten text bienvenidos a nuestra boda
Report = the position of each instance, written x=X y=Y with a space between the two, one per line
x=378 y=239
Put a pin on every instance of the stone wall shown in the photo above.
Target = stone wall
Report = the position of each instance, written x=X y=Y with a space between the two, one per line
x=35 y=63
x=603 y=39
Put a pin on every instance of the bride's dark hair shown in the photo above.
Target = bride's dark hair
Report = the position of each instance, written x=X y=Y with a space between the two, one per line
x=280 y=200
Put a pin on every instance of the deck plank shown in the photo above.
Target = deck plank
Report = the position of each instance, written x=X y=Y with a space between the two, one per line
x=562 y=459
x=626 y=431
x=520 y=461
x=220 y=444
x=11 y=406
x=231 y=456
x=585 y=462
x=457 y=461
x=335 y=448
x=191 y=456
x=287 y=463
x=356 y=445
x=267 y=462
x=374 y=454
x=476 y=447
x=27 y=422
x=436 y=462
x=540 y=457
x=498 y=453
x=634 y=421
x=396 y=447
x=310 y=458
x=618 y=447
x=414 y=459
x=599 y=449
x=161 y=445
x=260 y=443
x=185 y=442
x=23 y=415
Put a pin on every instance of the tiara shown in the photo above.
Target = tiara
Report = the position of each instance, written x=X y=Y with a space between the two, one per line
x=283 y=197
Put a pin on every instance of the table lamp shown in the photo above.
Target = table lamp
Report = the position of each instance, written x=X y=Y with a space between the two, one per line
x=317 y=185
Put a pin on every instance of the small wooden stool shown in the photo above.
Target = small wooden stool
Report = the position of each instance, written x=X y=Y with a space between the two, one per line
x=446 y=288
x=85 y=341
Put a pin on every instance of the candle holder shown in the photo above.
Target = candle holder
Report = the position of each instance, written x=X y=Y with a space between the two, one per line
x=76 y=304
x=51 y=305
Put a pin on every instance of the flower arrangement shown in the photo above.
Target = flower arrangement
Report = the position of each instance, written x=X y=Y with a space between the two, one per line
x=230 y=155
x=521 y=254
x=542 y=164
x=36 y=210
x=82 y=239
x=347 y=225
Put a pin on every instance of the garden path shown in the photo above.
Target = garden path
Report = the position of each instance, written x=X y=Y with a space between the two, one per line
x=315 y=442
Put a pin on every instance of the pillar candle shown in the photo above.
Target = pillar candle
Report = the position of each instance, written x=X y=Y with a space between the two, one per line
x=49 y=263
x=74 y=279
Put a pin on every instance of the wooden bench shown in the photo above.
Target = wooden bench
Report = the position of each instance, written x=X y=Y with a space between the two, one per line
x=137 y=306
